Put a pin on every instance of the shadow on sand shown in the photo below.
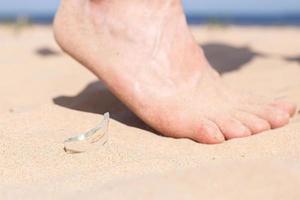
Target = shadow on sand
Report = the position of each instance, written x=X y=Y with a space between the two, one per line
x=293 y=59
x=96 y=98
x=225 y=58
x=47 y=52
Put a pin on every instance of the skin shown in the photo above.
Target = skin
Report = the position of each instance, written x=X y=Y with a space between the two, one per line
x=146 y=55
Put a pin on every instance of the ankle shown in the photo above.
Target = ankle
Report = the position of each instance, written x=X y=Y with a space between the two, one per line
x=140 y=7
x=151 y=3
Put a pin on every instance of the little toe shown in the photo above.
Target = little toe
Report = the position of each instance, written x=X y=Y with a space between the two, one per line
x=275 y=116
x=232 y=128
x=253 y=122
x=286 y=106
x=209 y=133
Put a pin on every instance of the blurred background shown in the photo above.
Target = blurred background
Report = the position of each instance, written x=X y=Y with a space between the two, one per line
x=241 y=12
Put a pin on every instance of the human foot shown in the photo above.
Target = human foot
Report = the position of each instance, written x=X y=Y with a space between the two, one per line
x=146 y=55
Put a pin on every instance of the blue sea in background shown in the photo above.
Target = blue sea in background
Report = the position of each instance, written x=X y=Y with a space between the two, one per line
x=263 y=20
x=194 y=19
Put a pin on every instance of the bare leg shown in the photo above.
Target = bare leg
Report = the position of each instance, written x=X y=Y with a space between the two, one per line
x=143 y=50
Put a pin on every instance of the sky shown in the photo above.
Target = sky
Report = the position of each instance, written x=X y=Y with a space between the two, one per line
x=191 y=6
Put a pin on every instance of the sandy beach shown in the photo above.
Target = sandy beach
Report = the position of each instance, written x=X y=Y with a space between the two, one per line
x=47 y=97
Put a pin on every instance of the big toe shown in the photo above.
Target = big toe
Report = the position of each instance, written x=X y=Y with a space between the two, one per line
x=208 y=132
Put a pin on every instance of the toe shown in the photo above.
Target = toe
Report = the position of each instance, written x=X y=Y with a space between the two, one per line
x=285 y=106
x=275 y=116
x=209 y=133
x=254 y=123
x=232 y=128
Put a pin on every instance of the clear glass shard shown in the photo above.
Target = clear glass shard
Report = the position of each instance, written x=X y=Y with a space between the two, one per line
x=93 y=138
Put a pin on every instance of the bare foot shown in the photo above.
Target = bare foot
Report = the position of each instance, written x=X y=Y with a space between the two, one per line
x=146 y=55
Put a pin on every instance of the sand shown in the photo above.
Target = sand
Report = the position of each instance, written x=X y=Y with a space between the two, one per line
x=47 y=97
